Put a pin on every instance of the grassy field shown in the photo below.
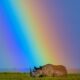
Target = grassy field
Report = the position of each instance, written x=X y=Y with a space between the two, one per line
x=26 y=76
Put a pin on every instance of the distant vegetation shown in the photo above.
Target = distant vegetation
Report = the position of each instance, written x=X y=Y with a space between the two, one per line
x=26 y=76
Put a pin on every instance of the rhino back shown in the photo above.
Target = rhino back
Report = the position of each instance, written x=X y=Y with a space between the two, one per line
x=60 y=70
x=48 y=70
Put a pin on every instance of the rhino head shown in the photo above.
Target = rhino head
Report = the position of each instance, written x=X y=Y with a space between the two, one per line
x=37 y=72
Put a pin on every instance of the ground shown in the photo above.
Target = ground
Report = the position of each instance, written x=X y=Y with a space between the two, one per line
x=26 y=76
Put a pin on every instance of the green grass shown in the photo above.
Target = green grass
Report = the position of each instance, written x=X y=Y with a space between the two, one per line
x=26 y=76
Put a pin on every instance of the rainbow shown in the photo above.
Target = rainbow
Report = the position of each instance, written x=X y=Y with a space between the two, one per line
x=30 y=36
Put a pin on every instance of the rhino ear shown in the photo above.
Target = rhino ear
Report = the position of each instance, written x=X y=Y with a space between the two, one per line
x=35 y=68
x=40 y=67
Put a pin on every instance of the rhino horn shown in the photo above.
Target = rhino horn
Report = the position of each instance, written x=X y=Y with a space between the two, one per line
x=30 y=72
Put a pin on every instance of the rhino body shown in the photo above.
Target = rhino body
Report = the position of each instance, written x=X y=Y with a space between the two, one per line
x=49 y=70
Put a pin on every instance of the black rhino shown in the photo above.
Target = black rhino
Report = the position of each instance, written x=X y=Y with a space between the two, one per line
x=49 y=70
